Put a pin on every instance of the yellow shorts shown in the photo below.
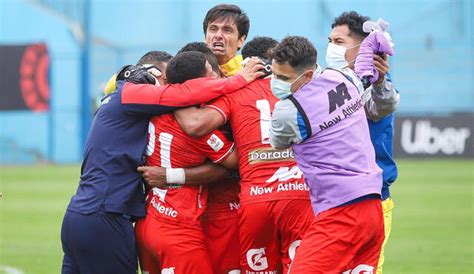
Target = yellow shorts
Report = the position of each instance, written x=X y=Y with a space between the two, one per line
x=387 y=206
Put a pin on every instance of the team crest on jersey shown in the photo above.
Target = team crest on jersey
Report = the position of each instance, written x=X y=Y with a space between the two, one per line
x=215 y=142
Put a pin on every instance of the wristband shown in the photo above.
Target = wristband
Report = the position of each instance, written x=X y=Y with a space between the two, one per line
x=175 y=176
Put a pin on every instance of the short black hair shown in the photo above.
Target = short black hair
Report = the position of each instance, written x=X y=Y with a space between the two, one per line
x=226 y=12
x=298 y=51
x=155 y=57
x=259 y=46
x=203 y=48
x=354 y=22
x=185 y=66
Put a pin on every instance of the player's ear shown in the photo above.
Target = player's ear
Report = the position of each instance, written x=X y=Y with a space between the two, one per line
x=241 y=41
x=308 y=76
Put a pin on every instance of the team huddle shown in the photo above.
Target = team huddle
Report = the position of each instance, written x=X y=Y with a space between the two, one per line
x=260 y=163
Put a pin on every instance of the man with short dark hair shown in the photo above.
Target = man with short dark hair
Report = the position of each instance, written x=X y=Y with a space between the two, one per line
x=225 y=29
x=260 y=46
x=382 y=100
x=203 y=48
x=220 y=219
x=188 y=65
x=171 y=236
x=321 y=118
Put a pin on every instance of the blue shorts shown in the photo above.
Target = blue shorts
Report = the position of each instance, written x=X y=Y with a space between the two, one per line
x=99 y=243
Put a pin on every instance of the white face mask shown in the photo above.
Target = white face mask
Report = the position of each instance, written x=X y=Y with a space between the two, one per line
x=336 y=56
x=281 y=89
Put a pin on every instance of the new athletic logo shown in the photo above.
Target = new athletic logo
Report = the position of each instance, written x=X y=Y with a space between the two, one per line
x=338 y=98
x=256 y=259
x=160 y=208
x=283 y=174
x=360 y=269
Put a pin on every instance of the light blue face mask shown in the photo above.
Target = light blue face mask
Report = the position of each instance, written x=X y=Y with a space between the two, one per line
x=282 y=89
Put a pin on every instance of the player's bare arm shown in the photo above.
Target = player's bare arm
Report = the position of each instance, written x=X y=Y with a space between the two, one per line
x=198 y=122
x=208 y=172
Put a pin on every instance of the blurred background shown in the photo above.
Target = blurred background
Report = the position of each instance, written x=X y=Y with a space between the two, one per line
x=66 y=50
x=57 y=55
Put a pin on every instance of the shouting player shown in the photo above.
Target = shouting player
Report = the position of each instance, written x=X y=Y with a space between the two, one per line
x=225 y=29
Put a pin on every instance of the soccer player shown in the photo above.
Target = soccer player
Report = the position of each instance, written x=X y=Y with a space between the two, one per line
x=97 y=231
x=225 y=29
x=322 y=119
x=220 y=220
x=274 y=201
x=346 y=36
x=171 y=238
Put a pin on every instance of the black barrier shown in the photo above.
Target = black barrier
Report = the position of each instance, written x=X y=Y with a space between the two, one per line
x=432 y=136
x=24 y=77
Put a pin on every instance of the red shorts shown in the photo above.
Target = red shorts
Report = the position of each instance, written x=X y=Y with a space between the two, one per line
x=270 y=232
x=171 y=248
x=344 y=239
x=222 y=238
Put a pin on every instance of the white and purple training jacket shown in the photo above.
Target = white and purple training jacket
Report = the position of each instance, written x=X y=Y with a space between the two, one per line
x=325 y=124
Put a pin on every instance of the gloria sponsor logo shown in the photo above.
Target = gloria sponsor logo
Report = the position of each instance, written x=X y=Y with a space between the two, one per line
x=421 y=137
x=270 y=155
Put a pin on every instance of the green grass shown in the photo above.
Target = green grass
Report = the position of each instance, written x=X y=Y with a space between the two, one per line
x=432 y=230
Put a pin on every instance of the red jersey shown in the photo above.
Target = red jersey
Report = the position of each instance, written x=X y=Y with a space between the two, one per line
x=223 y=197
x=169 y=146
x=266 y=174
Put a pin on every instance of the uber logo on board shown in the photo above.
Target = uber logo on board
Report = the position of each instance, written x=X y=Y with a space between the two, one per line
x=431 y=140
x=338 y=97
x=438 y=136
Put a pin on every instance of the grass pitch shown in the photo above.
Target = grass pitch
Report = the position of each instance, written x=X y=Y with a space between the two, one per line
x=432 y=232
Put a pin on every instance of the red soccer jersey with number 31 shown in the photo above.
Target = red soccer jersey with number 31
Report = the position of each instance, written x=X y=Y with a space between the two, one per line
x=169 y=146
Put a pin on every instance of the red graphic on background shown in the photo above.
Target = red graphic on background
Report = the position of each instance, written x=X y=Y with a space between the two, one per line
x=34 y=77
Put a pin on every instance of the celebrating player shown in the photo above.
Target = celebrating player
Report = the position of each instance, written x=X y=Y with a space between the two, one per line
x=225 y=29
x=171 y=235
x=275 y=209
x=323 y=121
x=110 y=189
x=346 y=35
